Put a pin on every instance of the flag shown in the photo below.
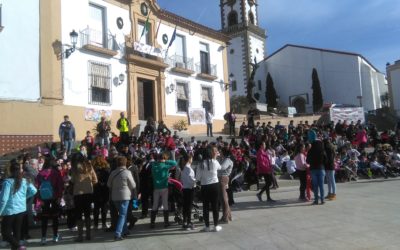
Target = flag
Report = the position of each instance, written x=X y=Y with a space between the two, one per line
x=171 y=42
x=146 y=27
x=172 y=38
x=158 y=28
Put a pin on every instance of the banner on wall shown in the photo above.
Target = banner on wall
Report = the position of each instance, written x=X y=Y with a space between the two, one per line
x=92 y=114
x=197 y=116
x=348 y=114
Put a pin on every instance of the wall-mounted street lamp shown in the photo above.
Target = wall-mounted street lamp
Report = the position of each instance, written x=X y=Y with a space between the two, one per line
x=74 y=39
x=119 y=80
x=226 y=86
x=169 y=89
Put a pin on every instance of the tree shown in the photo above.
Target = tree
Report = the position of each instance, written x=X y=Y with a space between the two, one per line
x=270 y=93
x=317 y=93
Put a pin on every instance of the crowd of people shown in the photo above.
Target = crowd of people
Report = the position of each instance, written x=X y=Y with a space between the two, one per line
x=111 y=176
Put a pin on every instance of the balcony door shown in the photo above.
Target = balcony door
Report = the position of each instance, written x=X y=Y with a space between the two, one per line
x=180 y=51
x=96 y=25
x=204 y=58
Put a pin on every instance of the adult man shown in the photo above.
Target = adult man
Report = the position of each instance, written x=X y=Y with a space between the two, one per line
x=123 y=127
x=103 y=131
x=66 y=132
x=232 y=122
x=209 y=121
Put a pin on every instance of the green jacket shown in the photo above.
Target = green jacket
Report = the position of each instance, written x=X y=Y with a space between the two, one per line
x=160 y=173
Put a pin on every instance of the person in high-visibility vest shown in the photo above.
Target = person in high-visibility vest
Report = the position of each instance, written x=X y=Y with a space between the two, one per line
x=123 y=127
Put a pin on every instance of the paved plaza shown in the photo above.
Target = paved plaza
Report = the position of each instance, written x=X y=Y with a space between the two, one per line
x=365 y=216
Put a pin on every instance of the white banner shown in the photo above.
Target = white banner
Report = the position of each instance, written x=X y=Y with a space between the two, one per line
x=147 y=49
x=347 y=114
x=197 y=116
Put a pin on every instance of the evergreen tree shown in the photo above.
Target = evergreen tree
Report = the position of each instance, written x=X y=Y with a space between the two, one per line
x=317 y=93
x=270 y=93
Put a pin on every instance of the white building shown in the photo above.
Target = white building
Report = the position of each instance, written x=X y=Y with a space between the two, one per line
x=171 y=71
x=345 y=78
x=240 y=22
x=393 y=75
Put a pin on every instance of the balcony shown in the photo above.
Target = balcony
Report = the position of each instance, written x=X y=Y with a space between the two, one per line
x=181 y=64
x=145 y=55
x=206 y=71
x=99 y=42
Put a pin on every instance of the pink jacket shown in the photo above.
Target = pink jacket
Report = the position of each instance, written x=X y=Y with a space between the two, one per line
x=361 y=136
x=263 y=162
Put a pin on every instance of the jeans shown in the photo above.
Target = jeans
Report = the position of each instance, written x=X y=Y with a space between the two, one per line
x=104 y=141
x=318 y=176
x=122 y=208
x=67 y=146
x=209 y=129
x=330 y=176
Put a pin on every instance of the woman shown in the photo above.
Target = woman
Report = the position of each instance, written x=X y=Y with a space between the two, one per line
x=264 y=169
x=51 y=185
x=14 y=193
x=100 y=191
x=188 y=182
x=301 y=169
x=121 y=184
x=330 y=169
x=160 y=170
x=83 y=178
x=207 y=175
x=223 y=176
x=316 y=157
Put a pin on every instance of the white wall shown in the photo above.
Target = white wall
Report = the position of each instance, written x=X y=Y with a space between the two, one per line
x=19 y=50
x=194 y=83
x=75 y=15
x=235 y=65
x=343 y=77
x=395 y=81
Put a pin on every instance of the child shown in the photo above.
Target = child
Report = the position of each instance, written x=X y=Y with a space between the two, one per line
x=189 y=182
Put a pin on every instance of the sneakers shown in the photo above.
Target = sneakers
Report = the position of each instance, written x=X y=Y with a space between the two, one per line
x=205 y=229
x=118 y=238
x=190 y=227
x=271 y=200
x=43 y=241
x=259 y=197
x=22 y=248
x=56 y=238
x=73 y=229
x=217 y=228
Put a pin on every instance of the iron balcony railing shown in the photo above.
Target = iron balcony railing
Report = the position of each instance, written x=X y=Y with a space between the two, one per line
x=98 y=38
x=177 y=61
x=206 y=68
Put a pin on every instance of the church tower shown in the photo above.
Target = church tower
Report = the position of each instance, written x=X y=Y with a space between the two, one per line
x=239 y=20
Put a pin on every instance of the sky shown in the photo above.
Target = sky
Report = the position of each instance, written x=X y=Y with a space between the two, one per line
x=367 y=27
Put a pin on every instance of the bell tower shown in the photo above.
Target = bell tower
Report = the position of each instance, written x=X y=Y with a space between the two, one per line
x=240 y=21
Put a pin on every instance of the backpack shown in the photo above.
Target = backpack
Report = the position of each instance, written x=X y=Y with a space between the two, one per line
x=46 y=190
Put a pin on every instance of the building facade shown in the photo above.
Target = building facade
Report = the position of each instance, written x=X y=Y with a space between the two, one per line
x=393 y=77
x=345 y=78
x=130 y=56
x=239 y=20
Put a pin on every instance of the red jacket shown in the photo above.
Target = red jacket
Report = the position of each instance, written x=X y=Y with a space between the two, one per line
x=263 y=162
x=170 y=143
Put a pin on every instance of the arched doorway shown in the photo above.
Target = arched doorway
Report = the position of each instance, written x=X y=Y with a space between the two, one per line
x=232 y=18
x=300 y=104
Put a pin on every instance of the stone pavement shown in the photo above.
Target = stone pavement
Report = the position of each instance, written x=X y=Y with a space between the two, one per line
x=365 y=216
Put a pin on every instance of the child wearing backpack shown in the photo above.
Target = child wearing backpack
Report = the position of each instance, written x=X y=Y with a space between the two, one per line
x=50 y=189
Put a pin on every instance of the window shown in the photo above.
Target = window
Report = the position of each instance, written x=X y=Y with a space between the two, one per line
x=204 y=59
x=182 y=97
x=206 y=95
x=144 y=37
x=180 y=51
x=99 y=83
x=251 y=17
x=232 y=18
x=97 y=26
x=234 y=86
x=259 y=85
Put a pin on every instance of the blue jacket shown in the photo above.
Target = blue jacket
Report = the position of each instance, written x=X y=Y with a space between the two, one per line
x=11 y=203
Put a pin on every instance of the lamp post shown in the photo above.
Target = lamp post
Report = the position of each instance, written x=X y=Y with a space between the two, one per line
x=74 y=39
x=360 y=100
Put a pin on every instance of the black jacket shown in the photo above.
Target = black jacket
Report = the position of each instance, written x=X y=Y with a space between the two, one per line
x=316 y=157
